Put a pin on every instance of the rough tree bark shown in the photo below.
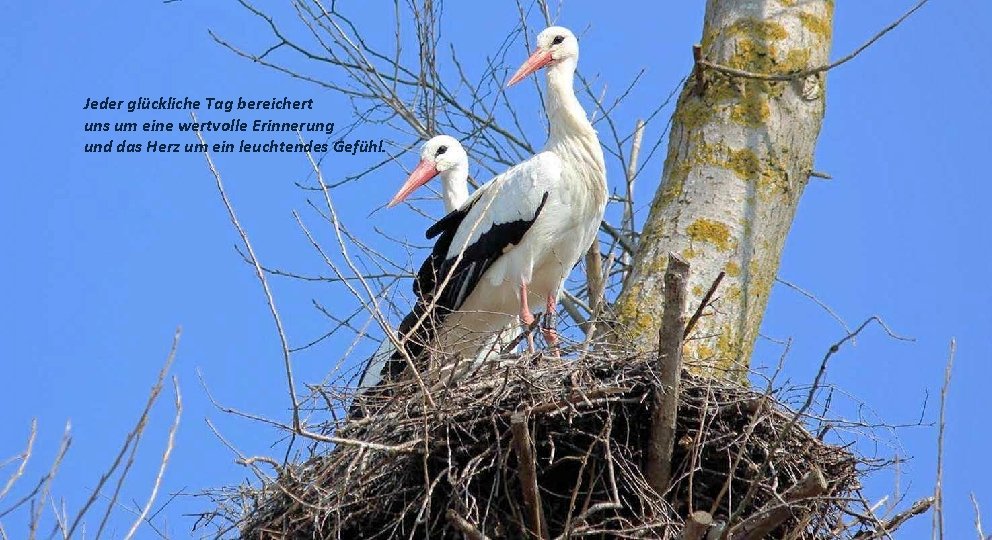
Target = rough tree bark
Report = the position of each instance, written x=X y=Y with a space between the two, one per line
x=739 y=156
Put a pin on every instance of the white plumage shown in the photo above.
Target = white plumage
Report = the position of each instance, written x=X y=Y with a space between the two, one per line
x=571 y=172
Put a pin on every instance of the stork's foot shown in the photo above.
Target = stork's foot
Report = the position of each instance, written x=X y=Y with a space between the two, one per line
x=550 y=332
x=527 y=318
x=550 y=327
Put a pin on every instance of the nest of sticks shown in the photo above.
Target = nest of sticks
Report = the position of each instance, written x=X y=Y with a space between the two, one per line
x=533 y=446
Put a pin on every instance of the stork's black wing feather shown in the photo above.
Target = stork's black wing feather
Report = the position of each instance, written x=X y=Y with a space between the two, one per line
x=465 y=268
x=446 y=227
x=434 y=303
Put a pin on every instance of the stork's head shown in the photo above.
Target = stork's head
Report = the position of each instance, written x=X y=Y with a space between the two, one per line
x=555 y=45
x=439 y=155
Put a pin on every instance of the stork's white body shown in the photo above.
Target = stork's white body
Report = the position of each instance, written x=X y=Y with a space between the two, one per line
x=571 y=170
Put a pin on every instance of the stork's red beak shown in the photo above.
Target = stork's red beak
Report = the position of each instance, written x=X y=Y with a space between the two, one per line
x=537 y=60
x=421 y=175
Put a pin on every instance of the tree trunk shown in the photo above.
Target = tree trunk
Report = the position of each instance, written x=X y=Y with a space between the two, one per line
x=739 y=156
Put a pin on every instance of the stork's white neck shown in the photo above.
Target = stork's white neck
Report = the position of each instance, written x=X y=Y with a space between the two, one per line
x=572 y=136
x=454 y=187
x=565 y=113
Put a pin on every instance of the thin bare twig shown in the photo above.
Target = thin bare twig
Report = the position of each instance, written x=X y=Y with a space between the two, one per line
x=802 y=74
x=978 y=517
x=883 y=530
x=24 y=457
x=938 y=490
x=162 y=464
x=470 y=531
x=130 y=442
x=702 y=305
x=260 y=274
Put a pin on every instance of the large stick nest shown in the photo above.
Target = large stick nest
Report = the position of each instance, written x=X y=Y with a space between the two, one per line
x=449 y=469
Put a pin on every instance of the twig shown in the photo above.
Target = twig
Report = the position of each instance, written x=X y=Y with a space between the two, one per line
x=798 y=414
x=802 y=74
x=883 y=529
x=24 y=456
x=523 y=446
x=43 y=486
x=470 y=531
x=617 y=235
x=696 y=525
x=406 y=447
x=764 y=521
x=132 y=440
x=816 y=301
x=260 y=274
x=702 y=305
x=978 y=517
x=163 y=464
x=520 y=337
x=938 y=490
x=658 y=469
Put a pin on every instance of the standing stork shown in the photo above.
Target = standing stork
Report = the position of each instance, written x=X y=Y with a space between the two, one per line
x=440 y=156
x=513 y=242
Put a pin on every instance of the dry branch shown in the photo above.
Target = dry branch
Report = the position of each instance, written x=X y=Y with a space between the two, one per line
x=696 y=525
x=702 y=305
x=978 y=517
x=938 y=490
x=470 y=531
x=39 y=498
x=884 y=529
x=162 y=464
x=764 y=521
x=523 y=446
x=23 y=457
x=666 y=395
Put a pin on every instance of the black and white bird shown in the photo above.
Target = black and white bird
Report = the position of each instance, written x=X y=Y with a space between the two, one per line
x=442 y=156
x=511 y=244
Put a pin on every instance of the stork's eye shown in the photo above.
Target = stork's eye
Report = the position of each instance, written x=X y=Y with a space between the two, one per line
x=557 y=40
x=441 y=150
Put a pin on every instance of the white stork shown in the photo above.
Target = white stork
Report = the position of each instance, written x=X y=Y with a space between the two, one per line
x=440 y=156
x=513 y=242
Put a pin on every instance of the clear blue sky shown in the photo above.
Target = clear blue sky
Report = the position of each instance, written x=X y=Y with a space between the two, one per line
x=104 y=256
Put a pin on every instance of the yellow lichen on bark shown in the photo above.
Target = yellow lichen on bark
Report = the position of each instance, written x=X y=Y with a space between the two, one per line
x=815 y=24
x=712 y=231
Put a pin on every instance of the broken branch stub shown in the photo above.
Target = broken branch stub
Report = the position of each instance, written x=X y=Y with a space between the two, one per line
x=658 y=468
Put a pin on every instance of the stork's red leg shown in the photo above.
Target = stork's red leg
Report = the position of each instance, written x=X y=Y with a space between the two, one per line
x=549 y=328
x=526 y=317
